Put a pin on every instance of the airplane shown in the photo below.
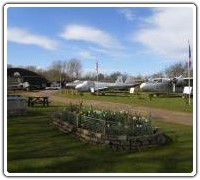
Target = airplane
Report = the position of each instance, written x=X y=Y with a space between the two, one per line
x=166 y=85
x=16 y=84
x=94 y=86
x=73 y=84
x=19 y=86
x=54 y=86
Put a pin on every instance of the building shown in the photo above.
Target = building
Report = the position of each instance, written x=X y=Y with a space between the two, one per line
x=19 y=78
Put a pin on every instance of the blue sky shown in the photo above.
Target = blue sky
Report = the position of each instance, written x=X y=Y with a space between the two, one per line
x=135 y=40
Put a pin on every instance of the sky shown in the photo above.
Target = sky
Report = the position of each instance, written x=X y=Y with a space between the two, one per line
x=132 y=40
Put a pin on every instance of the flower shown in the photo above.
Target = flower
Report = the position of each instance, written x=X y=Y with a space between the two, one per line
x=134 y=118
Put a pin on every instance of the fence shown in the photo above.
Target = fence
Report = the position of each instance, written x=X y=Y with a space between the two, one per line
x=138 y=127
x=129 y=135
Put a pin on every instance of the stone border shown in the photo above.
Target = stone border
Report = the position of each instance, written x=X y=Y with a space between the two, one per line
x=118 y=142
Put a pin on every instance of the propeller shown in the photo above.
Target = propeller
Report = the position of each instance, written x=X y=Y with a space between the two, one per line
x=174 y=82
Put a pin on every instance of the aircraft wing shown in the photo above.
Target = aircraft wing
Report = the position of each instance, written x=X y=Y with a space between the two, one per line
x=101 y=88
x=115 y=87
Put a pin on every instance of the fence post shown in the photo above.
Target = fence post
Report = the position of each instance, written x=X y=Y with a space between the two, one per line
x=104 y=127
x=77 y=118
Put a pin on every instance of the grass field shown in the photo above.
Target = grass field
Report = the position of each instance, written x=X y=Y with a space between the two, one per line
x=171 y=103
x=36 y=147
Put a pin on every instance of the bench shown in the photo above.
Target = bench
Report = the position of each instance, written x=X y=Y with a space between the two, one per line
x=44 y=100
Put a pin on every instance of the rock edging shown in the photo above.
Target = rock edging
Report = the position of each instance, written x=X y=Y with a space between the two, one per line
x=115 y=142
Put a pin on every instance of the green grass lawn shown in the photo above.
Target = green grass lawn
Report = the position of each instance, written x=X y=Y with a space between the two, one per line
x=170 y=103
x=36 y=147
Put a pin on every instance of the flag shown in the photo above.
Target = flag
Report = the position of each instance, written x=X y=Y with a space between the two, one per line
x=189 y=58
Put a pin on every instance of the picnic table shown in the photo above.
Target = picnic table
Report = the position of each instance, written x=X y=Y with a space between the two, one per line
x=44 y=100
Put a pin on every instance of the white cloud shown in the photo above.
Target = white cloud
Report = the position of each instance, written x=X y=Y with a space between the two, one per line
x=92 y=35
x=22 y=36
x=112 y=54
x=99 y=51
x=170 y=30
x=128 y=14
x=86 y=54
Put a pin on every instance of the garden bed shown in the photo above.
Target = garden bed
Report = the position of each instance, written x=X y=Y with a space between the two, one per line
x=118 y=130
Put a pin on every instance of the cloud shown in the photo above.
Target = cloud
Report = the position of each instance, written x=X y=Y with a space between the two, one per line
x=128 y=14
x=168 y=33
x=91 y=35
x=22 y=36
x=99 y=51
x=86 y=54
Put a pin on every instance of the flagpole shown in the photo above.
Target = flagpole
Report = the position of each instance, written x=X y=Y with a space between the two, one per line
x=189 y=59
x=189 y=83
x=97 y=69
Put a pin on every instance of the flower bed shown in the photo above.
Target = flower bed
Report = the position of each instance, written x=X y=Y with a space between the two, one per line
x=108 y=122
x=120 y=130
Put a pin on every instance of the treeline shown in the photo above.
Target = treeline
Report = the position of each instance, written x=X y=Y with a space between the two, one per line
x=58 y=71
x=72 y=69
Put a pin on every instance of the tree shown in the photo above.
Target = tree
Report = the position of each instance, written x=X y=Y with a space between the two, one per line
x=74 y=68
x=176 y=70
x=113 y=76
x=90 y=76
x=31 y=68
x=35 y=69
x=101 y=77
x=57 y=71
x=157 y=75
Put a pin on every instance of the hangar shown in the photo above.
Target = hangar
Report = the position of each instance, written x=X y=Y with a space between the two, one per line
x=19 y=78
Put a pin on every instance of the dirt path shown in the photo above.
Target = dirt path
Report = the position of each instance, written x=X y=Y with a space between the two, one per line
x=166 y=115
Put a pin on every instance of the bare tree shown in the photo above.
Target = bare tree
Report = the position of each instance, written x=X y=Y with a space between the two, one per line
x=74 y=68
x=101 y=77
x=176 y=70
x=113 y=76
x=56 y=72
x=157 y=75
x=90 y=76
x=31 y=68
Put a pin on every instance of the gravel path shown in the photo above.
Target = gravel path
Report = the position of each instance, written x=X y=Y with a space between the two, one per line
x=162 y=114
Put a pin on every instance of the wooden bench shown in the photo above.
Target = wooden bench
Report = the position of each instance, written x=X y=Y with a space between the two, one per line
x=44 y=100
